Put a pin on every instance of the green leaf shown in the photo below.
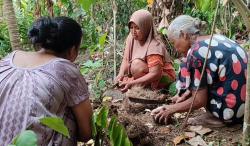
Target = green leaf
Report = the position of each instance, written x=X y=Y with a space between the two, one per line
x=172 y=89
x=119 y=131
x=117 y=134
x=165 y=80
x=205 y=5
x=102 y=84
x=86 y=4
x=103 y=39
x=102 y=117
x=127 y=142
x=56 y=124
x=64 y=2
x=26 y=138
x=89 y=63
x=93 y=125
x=111 y=127
x=176 y=64
x=84 y=70
x=97 y=64
x=164 y=31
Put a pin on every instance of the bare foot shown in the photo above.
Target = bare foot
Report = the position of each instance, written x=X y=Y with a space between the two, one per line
x=206 y=119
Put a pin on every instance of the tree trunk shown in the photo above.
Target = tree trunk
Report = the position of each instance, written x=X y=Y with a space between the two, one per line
x=10 y=17
x=50 y=4
x=164 y=11
x=244 y=12
x=248 y=4
x=246 y=125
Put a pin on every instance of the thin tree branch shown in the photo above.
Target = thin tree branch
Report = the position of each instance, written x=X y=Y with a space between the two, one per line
x=114 y=26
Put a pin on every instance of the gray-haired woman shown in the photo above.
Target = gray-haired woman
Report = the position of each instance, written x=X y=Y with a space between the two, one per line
x=222 y=88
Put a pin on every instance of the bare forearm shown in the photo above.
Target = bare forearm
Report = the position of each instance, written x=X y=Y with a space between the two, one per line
x=200 y=101
x=147 y=79
x=123 y=67
x=83 y=113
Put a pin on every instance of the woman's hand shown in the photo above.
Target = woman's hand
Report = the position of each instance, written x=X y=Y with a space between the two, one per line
x=162 y=114
x=118 y=78
x=184 y=96
x=125 y=85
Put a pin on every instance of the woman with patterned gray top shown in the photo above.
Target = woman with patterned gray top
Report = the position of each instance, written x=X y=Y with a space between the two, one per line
x=45 y=84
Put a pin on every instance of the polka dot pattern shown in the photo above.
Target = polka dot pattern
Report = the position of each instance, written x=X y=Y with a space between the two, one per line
x=234 y=84
x=178 y=85
x=243 y=92
x=231 y=100
x=209 y=79
x=214 y=43
x=203 y=52
x=241 y=52
x=225 y=76
x=222 y=71
x=227 y=45
x=240 y=111
x=220 y=91
x=215 y=114
x=220 y=37
x=228 y=113
x=184 y=72
x=218 y=105
x=218 y=54
x=213 y=67
x=236 y=64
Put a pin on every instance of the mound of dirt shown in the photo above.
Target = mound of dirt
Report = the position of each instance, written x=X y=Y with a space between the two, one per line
x=143 y=93
x=132 y=107
x=137 y=132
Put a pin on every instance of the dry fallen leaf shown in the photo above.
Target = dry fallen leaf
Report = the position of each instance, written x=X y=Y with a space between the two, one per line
x=200 y=130
x=197 y=141
x=204 y=131
x=179 y=139
x=195 y=128
x=190 y=134
x=106 y=99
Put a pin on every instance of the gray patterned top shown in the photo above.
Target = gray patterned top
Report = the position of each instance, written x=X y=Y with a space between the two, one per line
x=27 y=94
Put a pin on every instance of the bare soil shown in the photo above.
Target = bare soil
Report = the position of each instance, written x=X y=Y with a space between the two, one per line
x=143 y=131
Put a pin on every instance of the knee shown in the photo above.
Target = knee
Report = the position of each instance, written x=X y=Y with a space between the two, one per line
x=138 y=68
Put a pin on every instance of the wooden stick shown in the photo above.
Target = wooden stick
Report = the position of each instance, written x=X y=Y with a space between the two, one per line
x=114 y=26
